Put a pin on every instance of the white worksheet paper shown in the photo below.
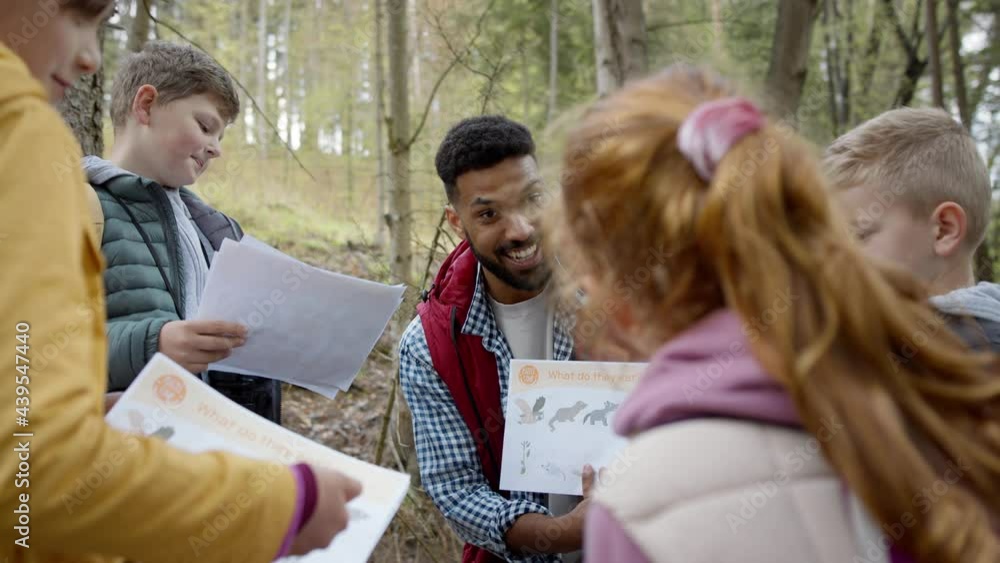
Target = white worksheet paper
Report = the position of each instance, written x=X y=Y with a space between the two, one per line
x=307 y=326
x=167 y=402
x=559 y=417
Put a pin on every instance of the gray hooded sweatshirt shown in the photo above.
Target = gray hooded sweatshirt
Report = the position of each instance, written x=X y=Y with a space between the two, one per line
x=195 y=266
x=981 y=302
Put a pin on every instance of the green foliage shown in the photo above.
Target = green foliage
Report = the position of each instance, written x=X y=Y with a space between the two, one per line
x=320 y=77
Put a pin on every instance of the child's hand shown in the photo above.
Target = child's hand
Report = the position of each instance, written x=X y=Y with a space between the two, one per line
x=334 y=490
x=195 y=344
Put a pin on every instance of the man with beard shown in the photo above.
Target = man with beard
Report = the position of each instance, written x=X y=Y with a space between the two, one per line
x=490 y=302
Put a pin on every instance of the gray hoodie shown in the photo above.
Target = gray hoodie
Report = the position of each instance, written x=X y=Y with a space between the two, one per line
x=195 y=267
x=982 y=303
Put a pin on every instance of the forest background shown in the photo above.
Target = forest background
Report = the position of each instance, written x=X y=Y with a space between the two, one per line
x=345 y=102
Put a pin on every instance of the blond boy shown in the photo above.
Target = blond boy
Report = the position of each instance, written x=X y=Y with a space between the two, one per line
x=170 y=106
x=917 y=193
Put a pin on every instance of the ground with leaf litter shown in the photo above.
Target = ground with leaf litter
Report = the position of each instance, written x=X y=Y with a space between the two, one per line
x=352 y=422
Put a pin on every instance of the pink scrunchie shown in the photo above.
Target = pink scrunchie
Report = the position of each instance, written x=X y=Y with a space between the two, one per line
x=713 y=128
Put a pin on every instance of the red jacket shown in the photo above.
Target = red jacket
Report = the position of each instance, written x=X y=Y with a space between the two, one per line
x=468 y=369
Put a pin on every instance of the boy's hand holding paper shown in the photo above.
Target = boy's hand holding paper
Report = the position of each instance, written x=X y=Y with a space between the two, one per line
x=307 y=326
x=195 y=344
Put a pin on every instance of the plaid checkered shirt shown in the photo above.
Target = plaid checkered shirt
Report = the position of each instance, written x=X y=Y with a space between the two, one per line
x=449 y=465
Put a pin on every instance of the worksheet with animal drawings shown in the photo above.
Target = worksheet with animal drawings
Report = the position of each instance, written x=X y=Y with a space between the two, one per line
x=559 y=417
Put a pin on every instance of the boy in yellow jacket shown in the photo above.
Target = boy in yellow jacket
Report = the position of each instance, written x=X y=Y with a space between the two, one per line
x=71 y=487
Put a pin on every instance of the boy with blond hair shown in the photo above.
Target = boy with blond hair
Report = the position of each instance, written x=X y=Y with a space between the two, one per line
x=170 y=106
x=918 y=194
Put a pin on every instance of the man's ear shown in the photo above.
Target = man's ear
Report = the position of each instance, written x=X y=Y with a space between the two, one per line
x=142 y=103
x=454 y=221
x=950 y=224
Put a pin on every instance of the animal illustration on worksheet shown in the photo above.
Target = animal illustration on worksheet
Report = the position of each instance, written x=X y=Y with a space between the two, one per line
x=554 y=470
x=525 y=454
x=600 y=414
x=137 y=420
x=356 y=514
x=529 y=414
x=567 y=414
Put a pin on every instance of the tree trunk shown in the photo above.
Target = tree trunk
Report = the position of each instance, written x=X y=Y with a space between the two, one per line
x=872 y=46
x=349 y=148
x=845 y=76
x=525 y=77
x=348 y=124
x=983 y=83
x=262 y=136
x=242 y=73
x=286 y=88
x=309 y=138
x=606 y=80
x=418 y=51
x=139 y=33
x=310 y=128
x=934 y=53
x=379 y=122
x=911 y=46
x=832 y=65
x=619 y=43
x=908 y=85
x=984 y=261
x=631 y=22
x=81 y=108
x=399 y=136
x=553 y=60
x=717 y=29
x=786 y=74
x=957 y=66
x=400 y=224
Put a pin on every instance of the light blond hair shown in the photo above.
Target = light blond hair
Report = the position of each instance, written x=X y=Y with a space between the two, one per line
x=920 y=157
x=177 y=71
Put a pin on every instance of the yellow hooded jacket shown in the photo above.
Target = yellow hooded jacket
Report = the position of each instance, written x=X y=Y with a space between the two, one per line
x=93 y=493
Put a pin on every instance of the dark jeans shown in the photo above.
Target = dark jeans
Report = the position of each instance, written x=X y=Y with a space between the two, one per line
x=257 y=394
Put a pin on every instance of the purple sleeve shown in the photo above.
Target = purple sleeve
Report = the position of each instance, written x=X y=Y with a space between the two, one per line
x=305 y=505
x=604 y=539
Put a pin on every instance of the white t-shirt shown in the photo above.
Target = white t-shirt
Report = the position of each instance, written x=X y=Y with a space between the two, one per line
x=195 y=266
x=529 y=327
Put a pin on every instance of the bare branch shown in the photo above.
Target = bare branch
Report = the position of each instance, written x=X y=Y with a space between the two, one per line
x=454 y=52
x=433 y=249
x=380 y=447
x=897 y=25
x=253 y=100
x=496 y=68
x=406 y=523
x=440 y=80
x=915 y=25
x=491 y=84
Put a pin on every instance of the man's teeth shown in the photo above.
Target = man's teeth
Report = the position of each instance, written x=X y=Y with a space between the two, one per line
x=523 y=253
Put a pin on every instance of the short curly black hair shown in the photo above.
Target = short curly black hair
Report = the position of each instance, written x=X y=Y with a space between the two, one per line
x=477 y=143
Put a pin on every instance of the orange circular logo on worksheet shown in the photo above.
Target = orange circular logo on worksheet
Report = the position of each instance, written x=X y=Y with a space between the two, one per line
x=170 y=389
x=528 y=375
